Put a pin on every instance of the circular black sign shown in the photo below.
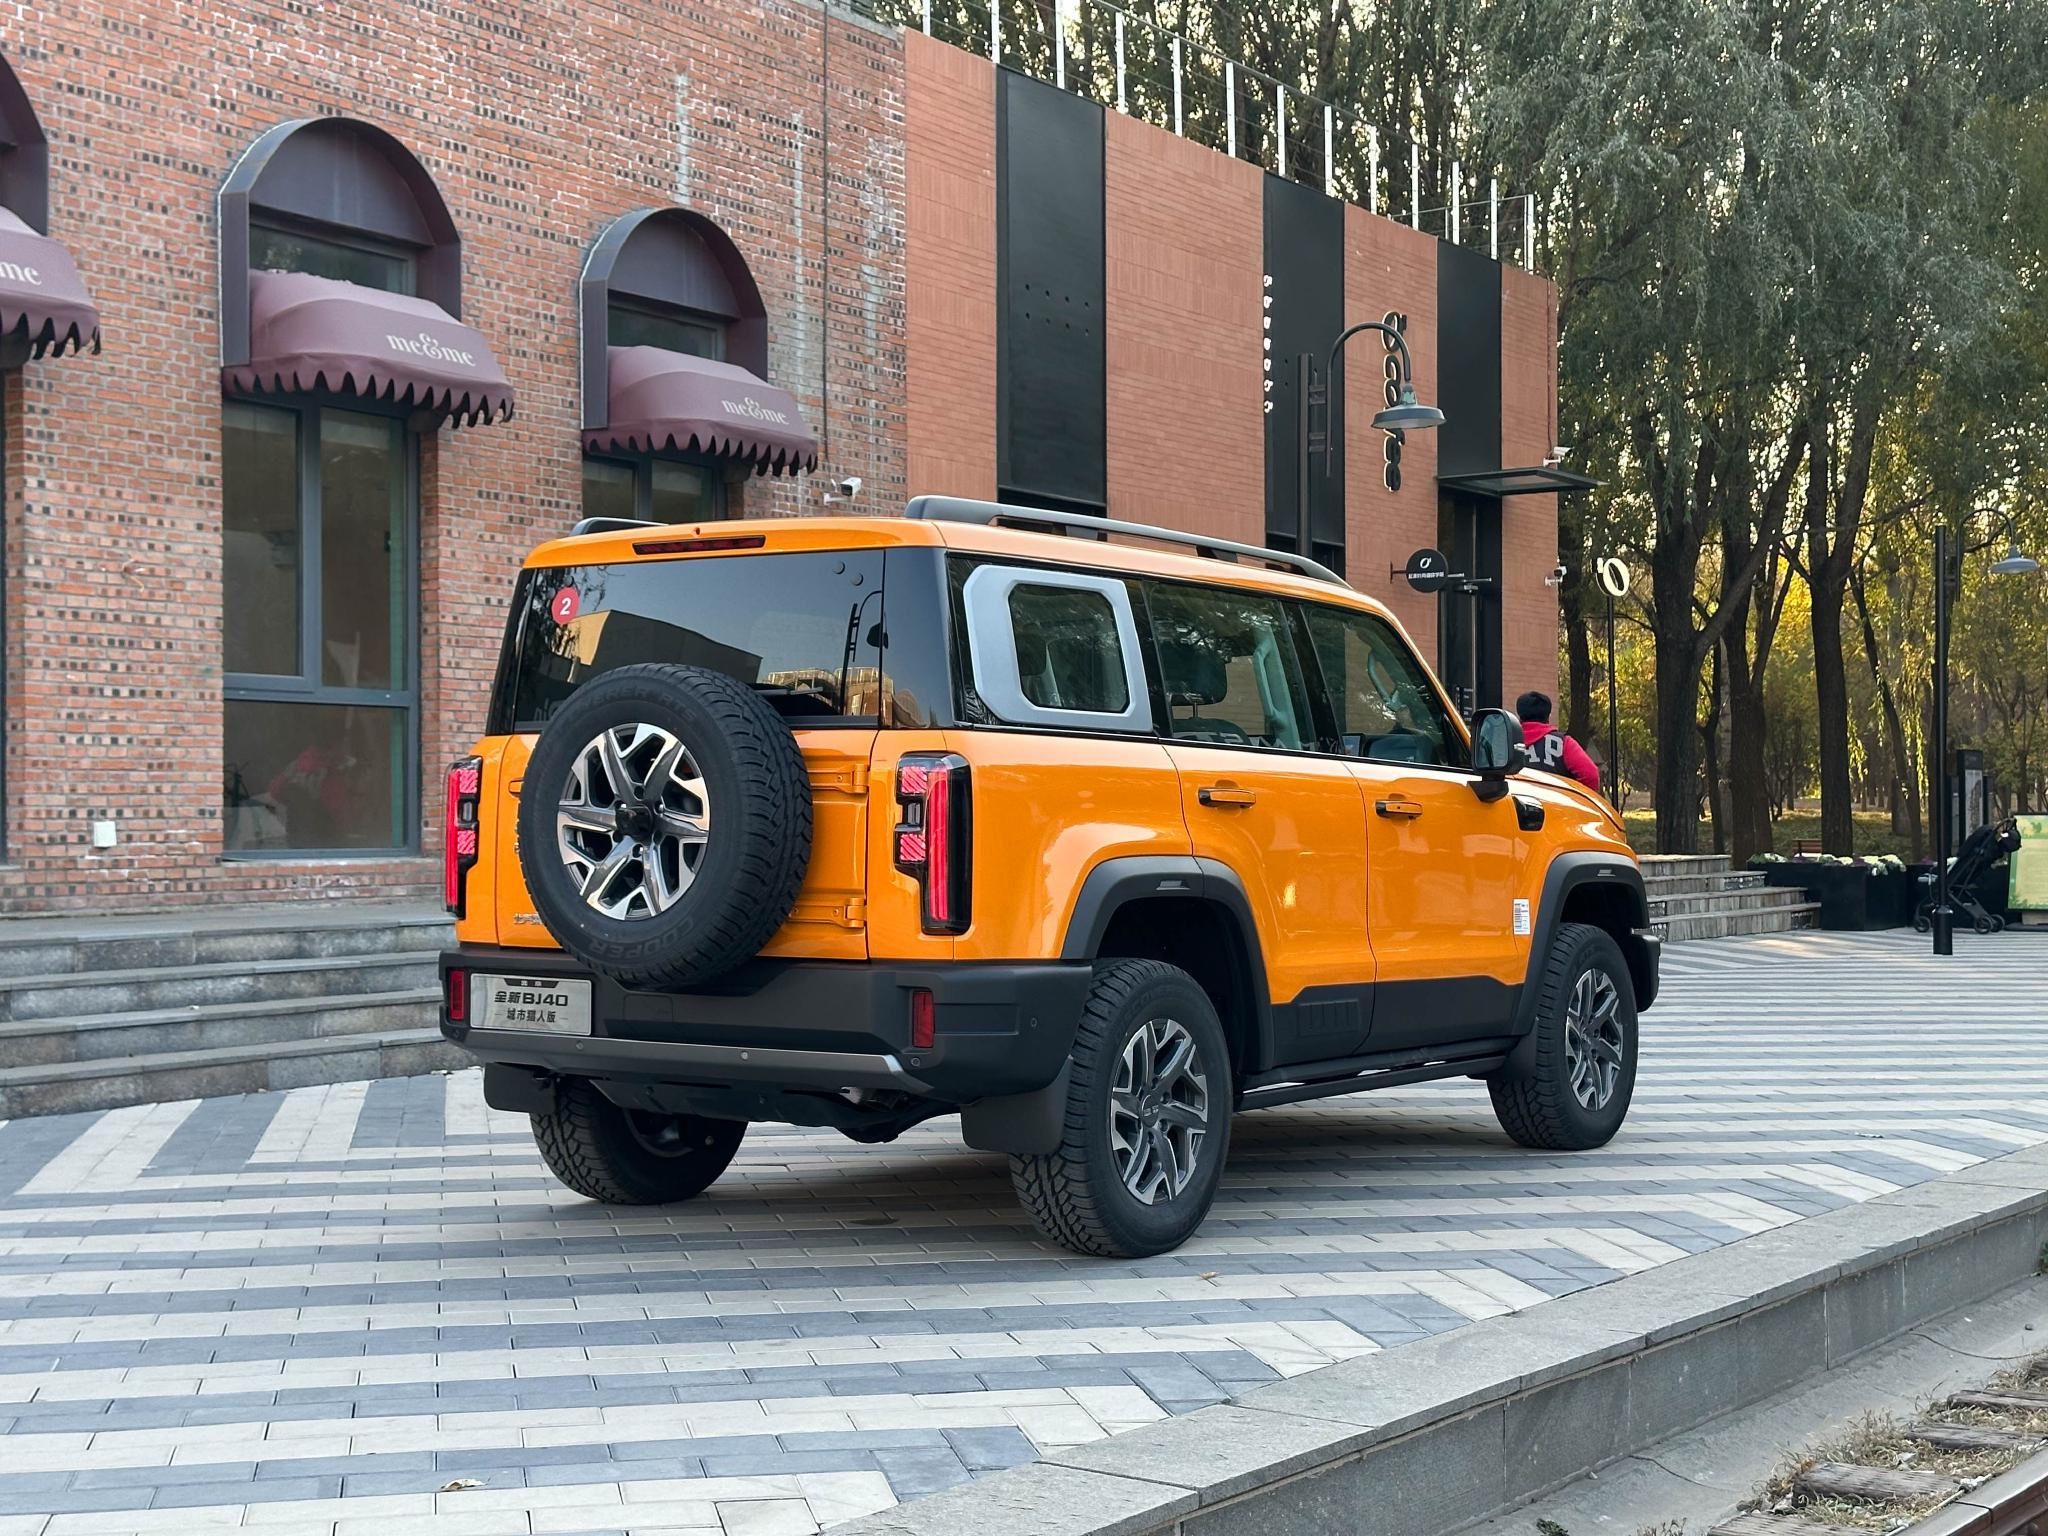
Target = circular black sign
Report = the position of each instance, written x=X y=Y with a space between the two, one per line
x=1427 y=570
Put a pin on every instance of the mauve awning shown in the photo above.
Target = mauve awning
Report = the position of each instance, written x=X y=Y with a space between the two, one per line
x=41 y=293
x=661 y=400
x=309 y=332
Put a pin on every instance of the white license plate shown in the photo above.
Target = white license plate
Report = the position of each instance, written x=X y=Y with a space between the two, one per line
x=548 y=1005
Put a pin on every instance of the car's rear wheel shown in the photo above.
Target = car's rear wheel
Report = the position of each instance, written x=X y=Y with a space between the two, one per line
x=629 y=1156
x=664 y=824
x=1149 y=1098
x=1568 y=1086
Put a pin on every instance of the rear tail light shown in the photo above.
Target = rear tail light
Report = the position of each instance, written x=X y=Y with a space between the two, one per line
x=459 y=829
x=456 y=1000
x=924 y=1028
x=934 y=837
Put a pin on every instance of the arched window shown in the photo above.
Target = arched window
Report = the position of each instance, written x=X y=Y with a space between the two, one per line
x=44 y=307
x=341 y=342
x=676 y=406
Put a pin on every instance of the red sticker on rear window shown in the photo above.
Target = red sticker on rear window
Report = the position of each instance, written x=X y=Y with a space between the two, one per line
x=565 y=605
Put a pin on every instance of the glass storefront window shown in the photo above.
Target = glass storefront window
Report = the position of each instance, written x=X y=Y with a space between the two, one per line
x=652 y=490
x=260 y=511
x=318 y=630
x=288 y=250
x=362 y=561
x=608 y=489
x=682 y=493
x=325 y=777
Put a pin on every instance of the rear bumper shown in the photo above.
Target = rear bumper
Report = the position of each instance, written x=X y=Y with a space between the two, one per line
x=819 y=1027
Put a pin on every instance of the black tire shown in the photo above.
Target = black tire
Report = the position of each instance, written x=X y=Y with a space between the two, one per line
x=1533 y=1095
x=1076 y=1195
x=749 y=866
x=627 y=1157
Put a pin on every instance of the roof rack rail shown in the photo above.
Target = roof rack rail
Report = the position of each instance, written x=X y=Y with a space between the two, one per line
x=612 y=525
x=960 y=509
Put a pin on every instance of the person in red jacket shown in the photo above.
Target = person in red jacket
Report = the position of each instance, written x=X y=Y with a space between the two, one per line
x=1549 y=747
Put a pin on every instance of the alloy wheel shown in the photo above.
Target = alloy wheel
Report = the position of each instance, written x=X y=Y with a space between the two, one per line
x=1158 y=1111
x=633 y=821
x=1593 y=1041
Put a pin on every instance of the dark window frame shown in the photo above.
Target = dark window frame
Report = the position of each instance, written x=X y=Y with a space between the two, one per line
x=306 y=687
x=264 y=220
x=672 y=314
x=642 y=466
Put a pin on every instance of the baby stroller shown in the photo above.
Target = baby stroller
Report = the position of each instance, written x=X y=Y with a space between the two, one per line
x=1981 y=849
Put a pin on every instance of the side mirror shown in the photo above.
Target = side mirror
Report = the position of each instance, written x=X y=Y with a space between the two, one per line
x=1497 y=751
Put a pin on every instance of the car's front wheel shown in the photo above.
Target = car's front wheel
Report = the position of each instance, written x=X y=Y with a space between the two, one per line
x=630 y=1156
x=1567 y=1087
x=1149 y=1098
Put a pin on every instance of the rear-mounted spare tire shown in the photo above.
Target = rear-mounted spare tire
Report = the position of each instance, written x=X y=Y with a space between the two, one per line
x=664 y=824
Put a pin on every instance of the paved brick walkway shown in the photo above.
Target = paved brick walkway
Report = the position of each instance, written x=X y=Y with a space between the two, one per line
x=310 y=1311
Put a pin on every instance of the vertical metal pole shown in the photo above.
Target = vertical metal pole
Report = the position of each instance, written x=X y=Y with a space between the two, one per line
x=1613 y=713
x=1528 y=231
x=1122 y=102
x=1329 y=150
x=1059 y=43
x=1493 y=215
x=927 y=9
x=1280 y=128
x=1230 y=105
x=1372 y=151
x=1414 y=185
x=1457 y=197
x=1943 y=916
x=1305 y=374
x=1179 y=126
x=995 y=30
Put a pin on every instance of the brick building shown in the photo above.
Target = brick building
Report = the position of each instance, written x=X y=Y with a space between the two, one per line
x=385 y=293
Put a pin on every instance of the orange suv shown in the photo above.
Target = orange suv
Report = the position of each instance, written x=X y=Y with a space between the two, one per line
x=854 y=822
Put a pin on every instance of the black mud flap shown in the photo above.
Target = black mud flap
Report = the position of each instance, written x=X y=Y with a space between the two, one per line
x=521 y=1090
x=1030 y=1123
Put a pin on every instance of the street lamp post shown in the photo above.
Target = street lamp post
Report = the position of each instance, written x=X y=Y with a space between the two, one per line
x=1942 y=920
x=1406 y=414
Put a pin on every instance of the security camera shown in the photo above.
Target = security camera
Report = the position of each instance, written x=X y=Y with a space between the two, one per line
x=1556 y=576
x=1556 y=456
x=847 y=488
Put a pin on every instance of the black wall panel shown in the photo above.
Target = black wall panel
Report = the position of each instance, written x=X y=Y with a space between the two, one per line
x=1052 y=438
x=1467 y=361
x=1304 y=243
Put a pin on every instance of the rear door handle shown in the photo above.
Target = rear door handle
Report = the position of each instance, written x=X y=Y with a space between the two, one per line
x=1225 y=796
x=1396 y=809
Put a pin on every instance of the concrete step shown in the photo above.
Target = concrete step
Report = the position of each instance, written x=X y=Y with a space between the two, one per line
x=67 y=1087
x=1728 y=921
x=1685 y=864
x=159 y=1031
x=1683 y=885
x=1740 y=898
x=46 y=946
x=149 y=988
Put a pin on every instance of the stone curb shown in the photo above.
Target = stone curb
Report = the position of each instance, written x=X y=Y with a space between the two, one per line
x=1451 y=1430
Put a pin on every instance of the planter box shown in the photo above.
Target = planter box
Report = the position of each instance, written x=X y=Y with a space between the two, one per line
x=1852 y=899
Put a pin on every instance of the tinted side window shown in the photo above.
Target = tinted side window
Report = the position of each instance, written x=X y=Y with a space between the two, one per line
x=1384 y=704
x=1228 y=667
x=1067 y=649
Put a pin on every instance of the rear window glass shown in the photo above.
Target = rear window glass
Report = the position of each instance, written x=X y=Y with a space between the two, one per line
x=803 y=630
x=1068 y=652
